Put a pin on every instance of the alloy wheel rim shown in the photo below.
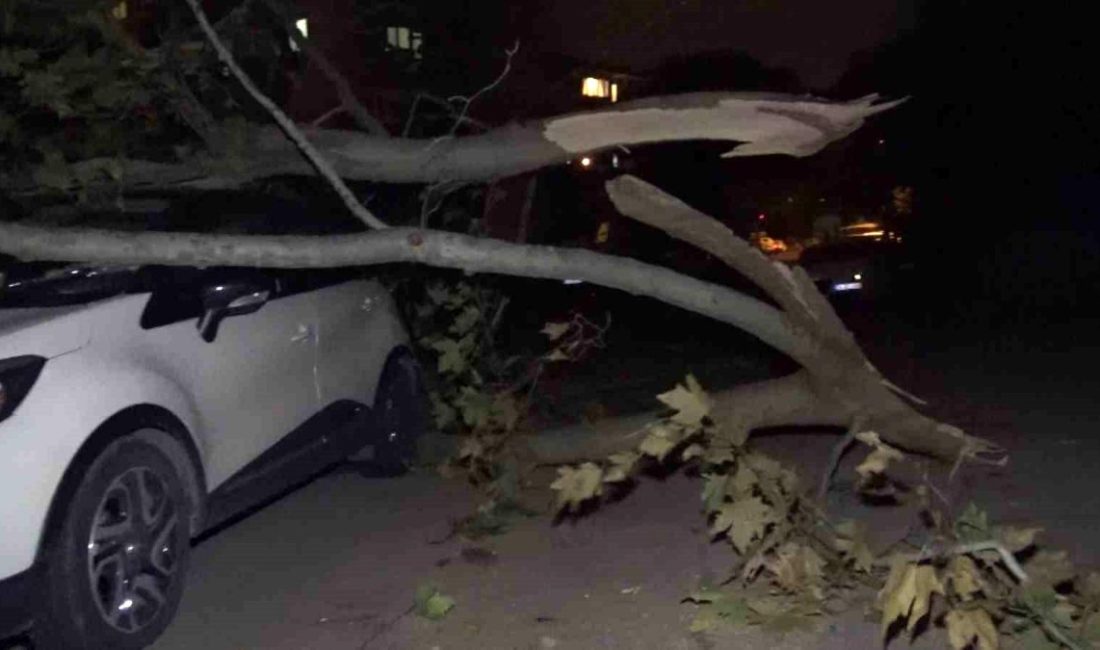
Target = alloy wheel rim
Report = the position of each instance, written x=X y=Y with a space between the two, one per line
x=133 y=550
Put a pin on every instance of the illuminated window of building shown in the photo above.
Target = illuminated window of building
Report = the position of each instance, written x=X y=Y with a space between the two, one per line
x=120 y=11
x=302 y=25
x=602 y=88
x=403 y=38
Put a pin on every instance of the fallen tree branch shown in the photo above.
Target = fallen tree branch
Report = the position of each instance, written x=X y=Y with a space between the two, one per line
x=762 y=123
x=837 y=370
x=794 y=400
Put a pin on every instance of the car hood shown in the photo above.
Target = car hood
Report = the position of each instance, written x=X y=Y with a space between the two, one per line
x=42 y=331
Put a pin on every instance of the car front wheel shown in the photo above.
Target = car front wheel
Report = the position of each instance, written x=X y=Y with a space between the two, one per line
x=115 y=571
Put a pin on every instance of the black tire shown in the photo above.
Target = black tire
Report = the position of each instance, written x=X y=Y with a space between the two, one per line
x=116 y=567
x=398 y=419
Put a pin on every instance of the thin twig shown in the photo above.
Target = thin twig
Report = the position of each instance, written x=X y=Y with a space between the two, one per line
x=1006 y=556
x=412 y=116
x=315 y=158
x=1059 y=635
x=328 y=115
x=466 y=101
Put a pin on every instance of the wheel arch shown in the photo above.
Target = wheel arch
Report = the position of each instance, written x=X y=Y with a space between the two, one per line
x=149 y=423
x=395 y=355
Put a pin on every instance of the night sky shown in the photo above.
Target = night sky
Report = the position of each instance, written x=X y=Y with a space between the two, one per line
x=812 y=37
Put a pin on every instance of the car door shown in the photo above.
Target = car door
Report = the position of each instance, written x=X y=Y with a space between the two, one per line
x=355 y=335
x=256 y=380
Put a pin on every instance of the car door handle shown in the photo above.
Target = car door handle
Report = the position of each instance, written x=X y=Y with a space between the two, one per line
x=305 y=333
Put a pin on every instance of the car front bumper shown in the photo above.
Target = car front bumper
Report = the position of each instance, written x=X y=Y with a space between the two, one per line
x=20 y=597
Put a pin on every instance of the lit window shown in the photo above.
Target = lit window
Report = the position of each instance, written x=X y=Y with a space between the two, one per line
x=596 y=87
x=403 y=38
x=302 y=25
x=120 y=11
x=593 y=87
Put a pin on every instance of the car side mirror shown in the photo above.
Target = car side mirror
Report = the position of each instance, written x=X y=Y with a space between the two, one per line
x=224 y=299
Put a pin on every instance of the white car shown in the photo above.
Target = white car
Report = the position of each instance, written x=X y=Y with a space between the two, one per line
x=142 y=406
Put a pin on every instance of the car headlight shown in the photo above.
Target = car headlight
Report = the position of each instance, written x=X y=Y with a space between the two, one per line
x=17 y=375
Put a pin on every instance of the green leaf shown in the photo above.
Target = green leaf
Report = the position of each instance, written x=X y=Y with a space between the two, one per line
x=692 y=451
x=705 y=620
x=466 y=320
x=797 y=568
x=851 y=541
x=476 y=407
x=907 y=594
x=745 y=480
x=660 y=441
x=577 y=485
x=690 y=403
x=443 y=413
x=966 y=626
x=505 y=412
x=965 y=577
x=437 y=293
x=972 y=525
x=717 y=608
x=431 y=603
x=742 y=521
x=622 y=465
x=733 y=610
x=452 y=356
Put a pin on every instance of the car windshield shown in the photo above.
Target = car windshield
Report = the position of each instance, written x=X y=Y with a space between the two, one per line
x=53 y=285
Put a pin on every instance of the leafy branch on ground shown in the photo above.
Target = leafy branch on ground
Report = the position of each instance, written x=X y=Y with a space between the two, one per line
x=479 y=393
x=793 y=564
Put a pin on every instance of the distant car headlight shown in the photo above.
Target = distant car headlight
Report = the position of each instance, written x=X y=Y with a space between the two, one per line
x=17 y=376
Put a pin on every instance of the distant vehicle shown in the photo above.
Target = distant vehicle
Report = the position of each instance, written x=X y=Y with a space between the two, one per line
x=140 y=406
x=768 y=244
x=868 y=230
x=856 y=266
